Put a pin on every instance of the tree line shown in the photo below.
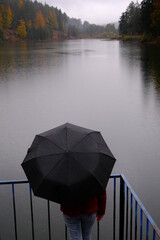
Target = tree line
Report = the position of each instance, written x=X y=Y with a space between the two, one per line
x=34 y=20
x=141 y=19
x=31 y=20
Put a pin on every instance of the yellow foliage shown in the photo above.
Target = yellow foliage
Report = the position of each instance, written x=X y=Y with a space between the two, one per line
x=29 y=25
x=20 y=4
x=39 y=21
x=21 y=29
x=53 y=19
x=2 y=8
x=7 y=15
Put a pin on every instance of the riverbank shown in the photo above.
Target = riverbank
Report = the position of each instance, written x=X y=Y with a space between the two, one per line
x=10 y=35
x=138 y=38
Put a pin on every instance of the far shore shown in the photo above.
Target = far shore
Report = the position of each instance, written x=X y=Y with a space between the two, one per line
x=138 y=38
x=10 y=36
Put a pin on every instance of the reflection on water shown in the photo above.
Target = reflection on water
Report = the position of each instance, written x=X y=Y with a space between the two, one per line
x=148 y=56
x=109 y=86
x=150 y=59
x=12 y=58
x=23 y=57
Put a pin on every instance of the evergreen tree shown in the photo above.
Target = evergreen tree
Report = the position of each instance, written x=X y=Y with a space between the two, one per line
x=111 y=30
x=130 y=20
x=123 y=24
x=40 y=21
x=155 y=18
x=146 y=10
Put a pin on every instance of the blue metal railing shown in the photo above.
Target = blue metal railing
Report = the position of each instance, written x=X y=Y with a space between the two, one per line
x=131 y=220
x=129 y=226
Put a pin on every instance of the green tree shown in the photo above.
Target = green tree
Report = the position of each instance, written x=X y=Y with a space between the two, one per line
x=52 y=19
x=155 y=17
x=130 y=20
x=64 y=27
x=73 y=31
x=60 y=19
x=123 y=24
x=146 y=10
x=42 y=20
x=111 y=30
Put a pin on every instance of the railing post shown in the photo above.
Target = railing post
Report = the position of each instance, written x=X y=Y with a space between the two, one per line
x=31 y=205
x=66 y=237
x=14 y=211
x=98 y=230
x=121 y=213
x=49 y=220
x=114 y=210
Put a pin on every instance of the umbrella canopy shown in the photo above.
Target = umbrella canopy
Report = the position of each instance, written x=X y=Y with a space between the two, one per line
x=68 y=164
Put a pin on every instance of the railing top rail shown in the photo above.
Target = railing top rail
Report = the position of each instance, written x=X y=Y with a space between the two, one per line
x=141 y=205
x=5 y=182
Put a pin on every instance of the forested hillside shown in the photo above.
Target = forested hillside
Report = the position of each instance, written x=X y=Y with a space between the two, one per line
x=25 y=19
x=31 y=20
x=141 y=19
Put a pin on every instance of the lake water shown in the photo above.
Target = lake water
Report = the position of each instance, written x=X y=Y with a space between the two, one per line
x=110 y=86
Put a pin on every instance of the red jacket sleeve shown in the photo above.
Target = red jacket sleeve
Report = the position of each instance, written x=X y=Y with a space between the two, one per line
x=102 y=199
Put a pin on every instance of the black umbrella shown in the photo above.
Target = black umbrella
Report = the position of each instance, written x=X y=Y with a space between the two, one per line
x=68 y=164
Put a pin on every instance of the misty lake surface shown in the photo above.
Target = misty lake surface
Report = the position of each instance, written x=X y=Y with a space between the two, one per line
x=109 y=86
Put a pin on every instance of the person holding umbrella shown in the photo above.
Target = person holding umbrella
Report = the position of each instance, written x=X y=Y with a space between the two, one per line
x=80 y=218
x=71 y=165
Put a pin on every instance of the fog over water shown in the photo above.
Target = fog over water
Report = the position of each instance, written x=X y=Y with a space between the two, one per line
x=97 y=12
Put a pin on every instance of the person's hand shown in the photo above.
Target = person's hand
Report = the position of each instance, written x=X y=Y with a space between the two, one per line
x=99 y=217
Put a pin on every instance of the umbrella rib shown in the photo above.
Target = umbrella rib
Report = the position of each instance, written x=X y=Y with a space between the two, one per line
x=87 y=170
x=102 y=145
x=95 y=153
x=94 y=139
x=50 y=171
x=43 y=156
x=52 y=142
x=66 y=137
x=83 y=138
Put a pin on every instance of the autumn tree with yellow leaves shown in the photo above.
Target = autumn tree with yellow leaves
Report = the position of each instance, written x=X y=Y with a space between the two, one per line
x=20 y=4
x=39 y=21
x=21 y=29
x=7 y=15
x=31 y=20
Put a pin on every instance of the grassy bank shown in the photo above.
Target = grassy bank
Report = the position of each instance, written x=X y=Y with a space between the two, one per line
x=140 y=38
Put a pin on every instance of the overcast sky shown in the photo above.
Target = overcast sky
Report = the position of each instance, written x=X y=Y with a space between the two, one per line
x=93 y=11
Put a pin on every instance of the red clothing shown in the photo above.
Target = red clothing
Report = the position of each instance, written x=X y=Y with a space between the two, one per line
x=96 y=204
